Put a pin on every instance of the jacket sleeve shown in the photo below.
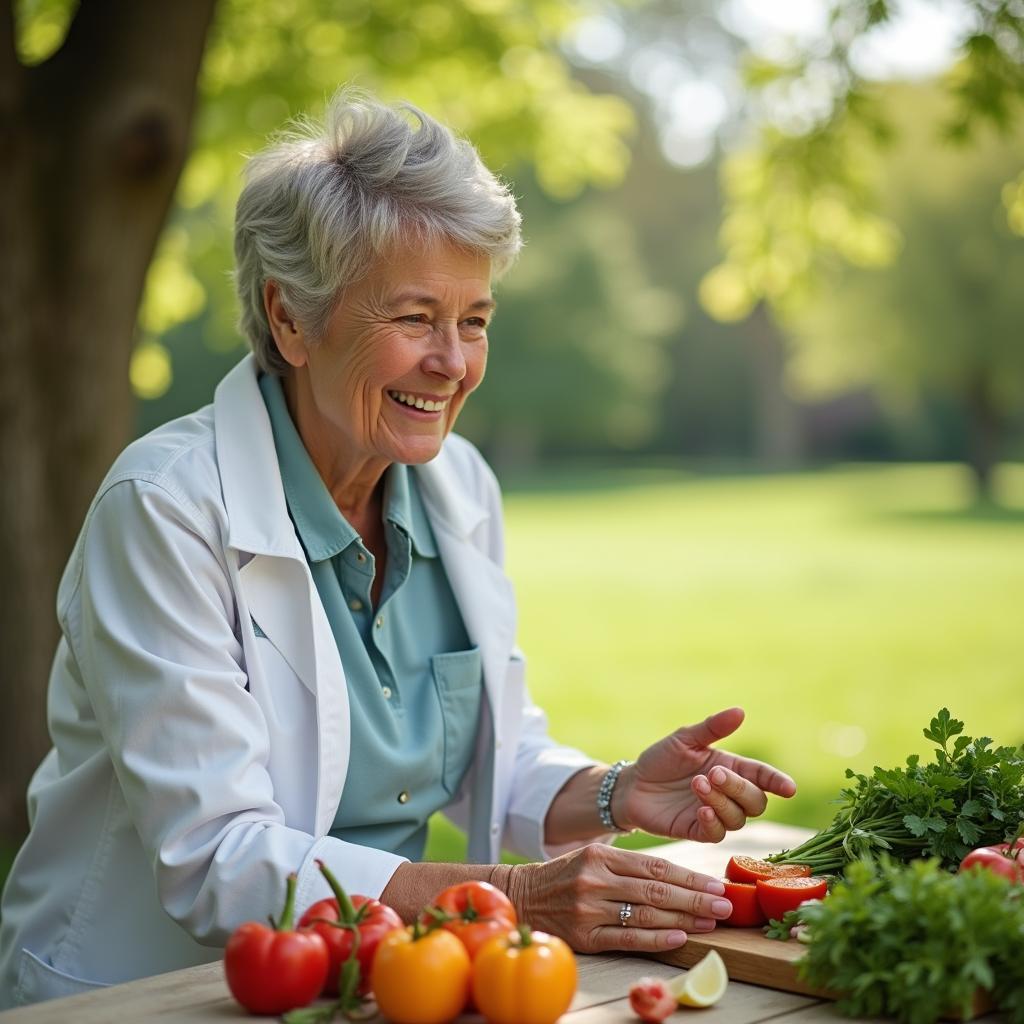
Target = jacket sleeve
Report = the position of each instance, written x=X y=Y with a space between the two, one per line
x=151 y=623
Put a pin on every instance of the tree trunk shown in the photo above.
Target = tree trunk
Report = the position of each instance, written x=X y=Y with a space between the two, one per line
x=94 y=140
x=779 y=442
x=984 y=429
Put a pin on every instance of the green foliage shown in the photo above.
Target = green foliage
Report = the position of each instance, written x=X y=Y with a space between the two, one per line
x=972 y=795
x=491 y=69
x=943 y=321
x=916 y=943
x=806 y=195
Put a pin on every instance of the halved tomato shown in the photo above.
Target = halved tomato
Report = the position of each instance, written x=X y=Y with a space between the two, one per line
x=777 y=895
x=746 y=911
x=750 y=869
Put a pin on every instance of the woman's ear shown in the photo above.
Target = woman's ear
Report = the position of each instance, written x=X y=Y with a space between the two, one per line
x=288 y=333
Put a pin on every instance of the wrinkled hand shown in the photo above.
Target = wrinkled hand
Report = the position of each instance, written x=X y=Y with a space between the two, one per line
x=578 y=896
x=683 y=789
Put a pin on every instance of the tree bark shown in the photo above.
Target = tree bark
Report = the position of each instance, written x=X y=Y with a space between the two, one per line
x=984 y=431
x=94 y=141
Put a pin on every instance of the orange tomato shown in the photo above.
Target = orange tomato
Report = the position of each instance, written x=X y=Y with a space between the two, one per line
x=420 y=978
x=524 y=977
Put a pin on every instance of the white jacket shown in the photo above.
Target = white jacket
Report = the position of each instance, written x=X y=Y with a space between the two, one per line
x=195 y=764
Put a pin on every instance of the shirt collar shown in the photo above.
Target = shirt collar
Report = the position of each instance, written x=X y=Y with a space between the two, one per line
x=404 y=507
x=321 y=527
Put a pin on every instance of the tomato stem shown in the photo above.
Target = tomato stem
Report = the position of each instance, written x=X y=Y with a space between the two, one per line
x=346 y=910
x=287 y=919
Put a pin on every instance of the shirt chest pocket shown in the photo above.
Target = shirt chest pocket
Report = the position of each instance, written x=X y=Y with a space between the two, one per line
x=458 y=679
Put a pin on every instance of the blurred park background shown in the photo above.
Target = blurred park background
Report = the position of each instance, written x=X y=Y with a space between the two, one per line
x=756 y=387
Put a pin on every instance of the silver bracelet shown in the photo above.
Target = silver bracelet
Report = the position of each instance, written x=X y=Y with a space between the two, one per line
x=604 y=796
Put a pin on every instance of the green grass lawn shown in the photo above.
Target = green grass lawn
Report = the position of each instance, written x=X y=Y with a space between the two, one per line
x=840 y=608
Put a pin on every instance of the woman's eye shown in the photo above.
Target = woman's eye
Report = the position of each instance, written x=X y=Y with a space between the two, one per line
x=414 y=318
x=478 y=323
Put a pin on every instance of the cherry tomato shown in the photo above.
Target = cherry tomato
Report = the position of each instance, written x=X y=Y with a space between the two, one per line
x=1004 y=859
x=750 y=869
x=420 y=977
x=524 y=977
x=651 y=1000
x=746 y=911
x=777 y=895
x=274 y=970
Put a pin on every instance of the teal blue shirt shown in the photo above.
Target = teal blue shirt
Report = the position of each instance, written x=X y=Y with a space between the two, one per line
x=414 y=682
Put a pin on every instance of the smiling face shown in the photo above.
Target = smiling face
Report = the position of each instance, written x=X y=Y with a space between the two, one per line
x=401 y=353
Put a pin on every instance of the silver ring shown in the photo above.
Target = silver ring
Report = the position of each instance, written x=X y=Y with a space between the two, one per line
x=625 y=914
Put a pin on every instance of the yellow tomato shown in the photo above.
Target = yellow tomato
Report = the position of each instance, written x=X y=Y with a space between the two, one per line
x=420 y=978
x=524 y=977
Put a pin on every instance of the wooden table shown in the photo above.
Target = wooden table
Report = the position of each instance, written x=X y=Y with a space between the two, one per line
x=198 y=995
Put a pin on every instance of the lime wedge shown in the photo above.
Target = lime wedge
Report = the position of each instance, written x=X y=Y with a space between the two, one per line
x=703 y=984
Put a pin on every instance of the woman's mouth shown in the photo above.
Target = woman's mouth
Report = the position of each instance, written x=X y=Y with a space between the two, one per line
x=417 y=403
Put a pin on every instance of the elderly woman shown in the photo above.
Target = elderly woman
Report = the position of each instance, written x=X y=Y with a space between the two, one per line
x=287 y=635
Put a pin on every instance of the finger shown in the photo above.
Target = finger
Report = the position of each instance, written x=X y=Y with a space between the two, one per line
x=662 y=895
x=714 y=728
x=765 y=777
x=638 y=865
x=643 y=915
x=750 y=798
x=707 y=828
x=637 y=940
x=729 y=813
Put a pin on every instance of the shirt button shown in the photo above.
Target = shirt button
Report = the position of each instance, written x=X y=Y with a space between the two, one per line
x=494 y=829
x=360 y=557
x=387 y=692
x=380 y=621
x=403 y=797
x=355 y=604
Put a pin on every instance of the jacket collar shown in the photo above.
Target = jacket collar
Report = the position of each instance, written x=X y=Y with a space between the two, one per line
x=254 y=497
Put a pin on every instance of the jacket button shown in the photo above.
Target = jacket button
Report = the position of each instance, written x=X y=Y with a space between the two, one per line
x=403 y=797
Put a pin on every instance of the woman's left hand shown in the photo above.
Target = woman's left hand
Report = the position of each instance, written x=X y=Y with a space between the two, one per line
x=681 y=788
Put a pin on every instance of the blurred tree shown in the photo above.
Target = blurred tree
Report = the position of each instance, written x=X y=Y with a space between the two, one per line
x=804 y=199
x=96 y=115
x=945 y=321
x=578 y=352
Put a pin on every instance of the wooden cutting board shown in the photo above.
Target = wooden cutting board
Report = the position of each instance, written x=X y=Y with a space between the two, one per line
x=750 y=957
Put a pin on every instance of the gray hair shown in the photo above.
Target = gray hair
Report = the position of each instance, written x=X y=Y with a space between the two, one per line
x=323 y=201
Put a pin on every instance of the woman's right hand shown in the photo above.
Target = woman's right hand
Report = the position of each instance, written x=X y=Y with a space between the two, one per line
x=579 y=897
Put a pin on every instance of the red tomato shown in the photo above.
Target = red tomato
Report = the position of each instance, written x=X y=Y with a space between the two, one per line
x=651 y=1000
x=746 y=911
x=274 y=970
x=1001 y=859
x=473 y=912
x=337 y=920
x=373 y=920
x=777 y=895
x=750 y=869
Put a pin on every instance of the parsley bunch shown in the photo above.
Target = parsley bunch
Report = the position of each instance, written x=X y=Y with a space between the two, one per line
x=971 y=795
x=915 y=942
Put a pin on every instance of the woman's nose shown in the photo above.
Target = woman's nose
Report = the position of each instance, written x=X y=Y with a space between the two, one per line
x=446 y=356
